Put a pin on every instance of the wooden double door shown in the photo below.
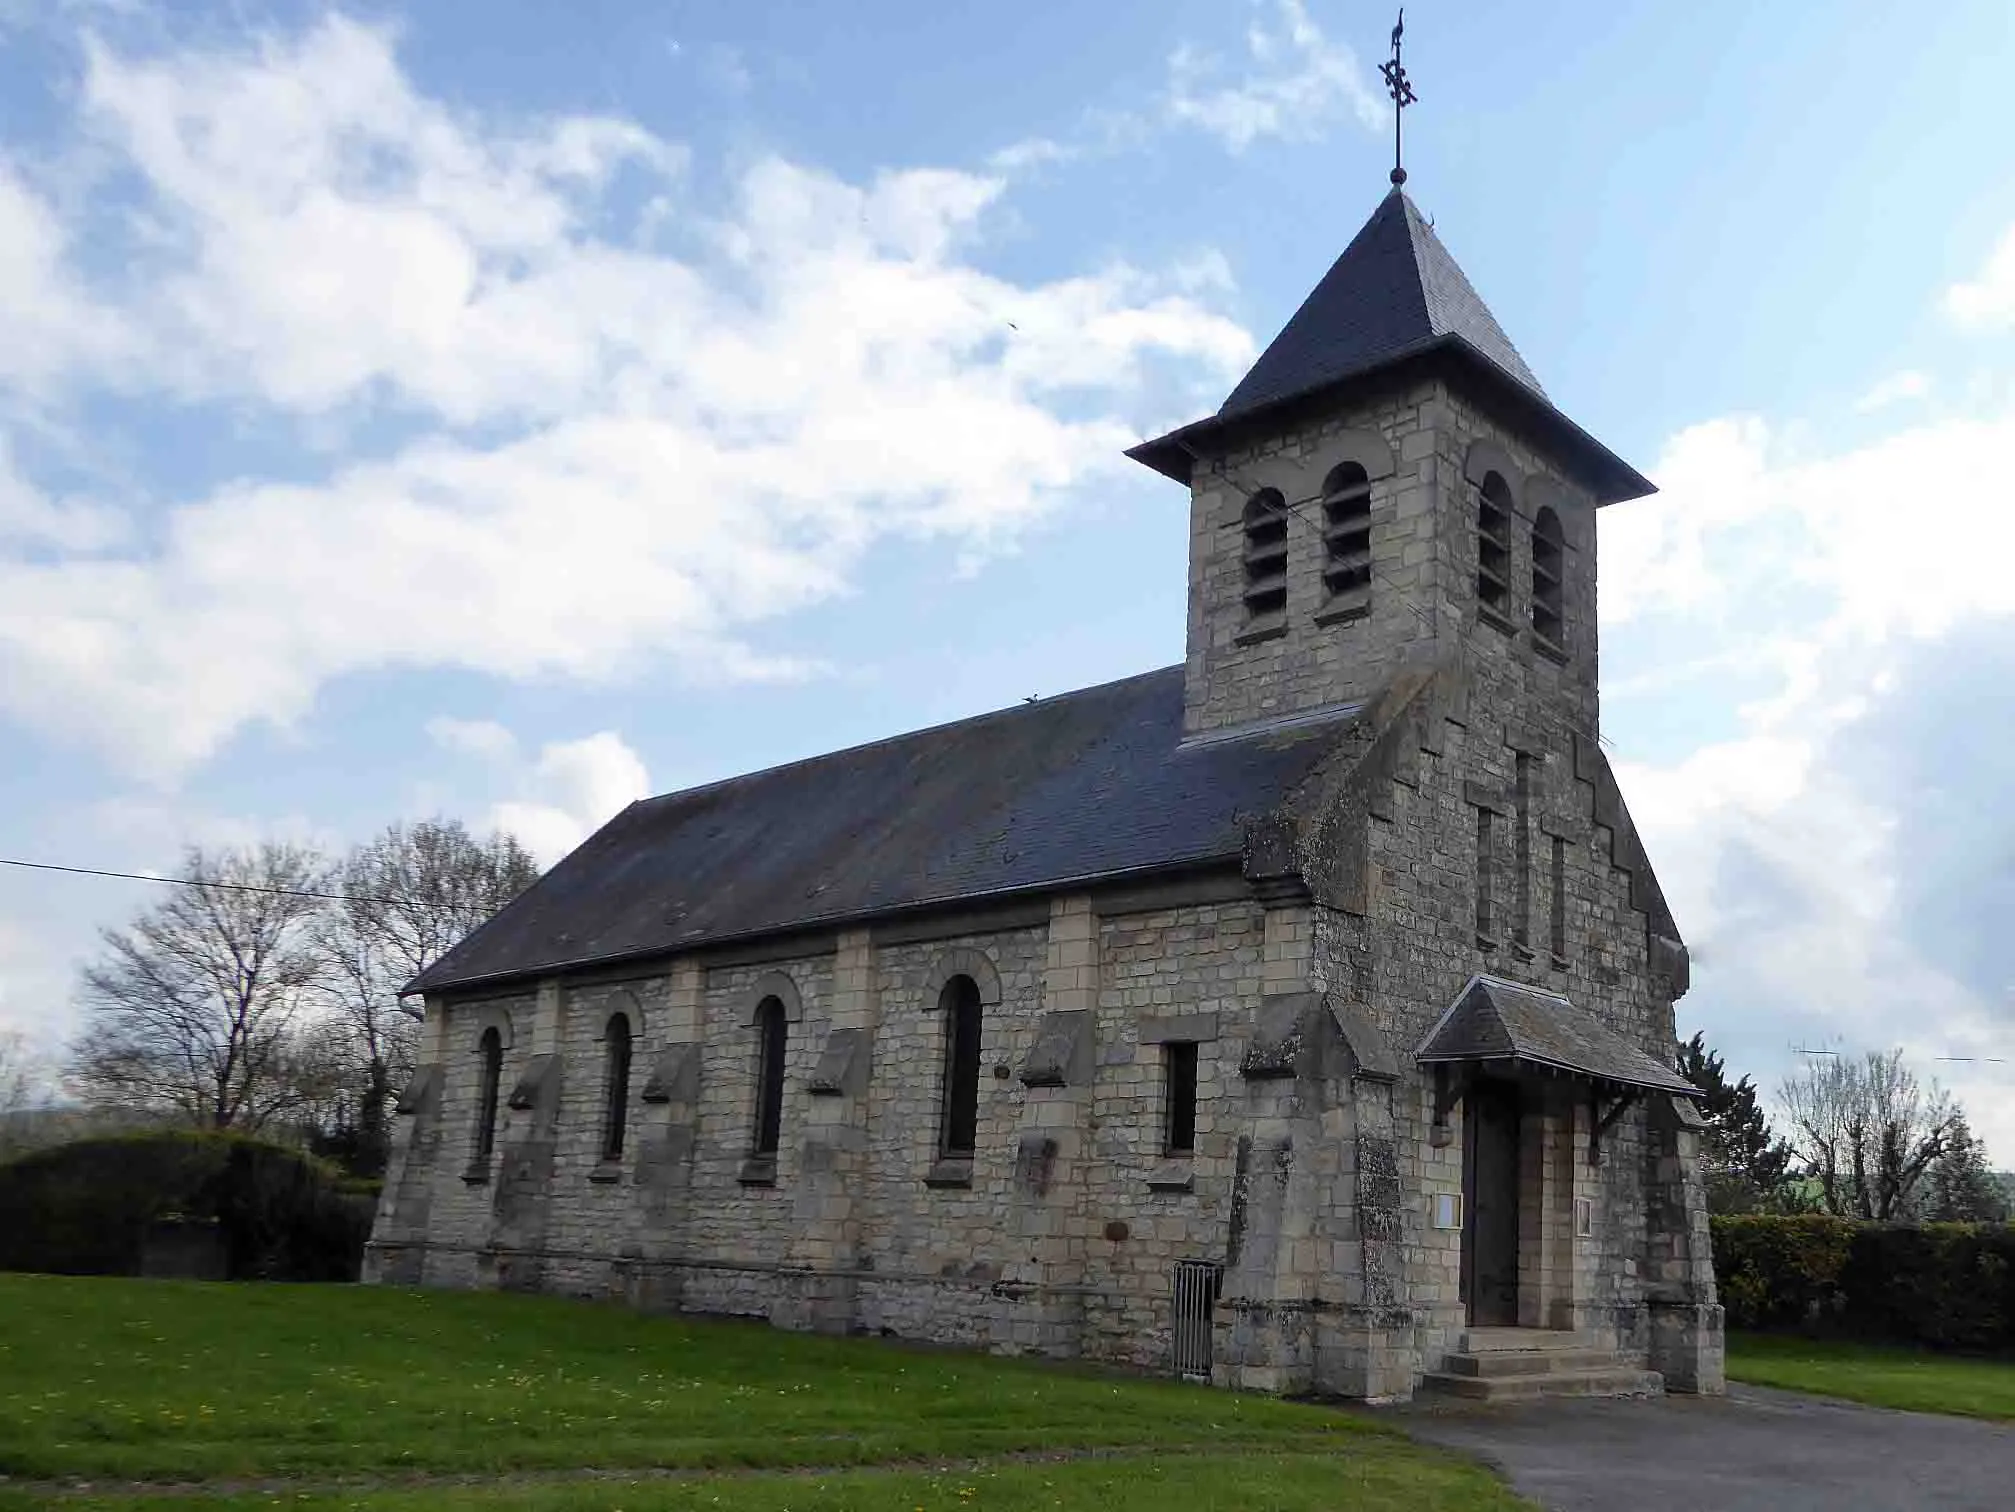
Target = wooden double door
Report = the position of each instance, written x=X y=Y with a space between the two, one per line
x=1490 y=1133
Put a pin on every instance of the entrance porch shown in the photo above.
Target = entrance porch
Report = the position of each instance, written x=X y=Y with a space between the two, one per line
x=1583 y=1254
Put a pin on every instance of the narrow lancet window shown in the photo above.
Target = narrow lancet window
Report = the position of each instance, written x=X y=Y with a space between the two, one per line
x=1559 y=880
x=1493 y=544
x=958 y=1121
x=616 y=1094
x=772 y=1041
x=489 y=1078
x=1346 y=539
x=1483 y=843
x=1265 y=559
x=1521 y=923
x=1549 y=553
x=1178 y=1119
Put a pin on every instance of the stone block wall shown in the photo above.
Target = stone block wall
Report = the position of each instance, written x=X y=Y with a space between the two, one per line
x=1414 y=938
x=1060 y=1240
x=1426 y=449
x=1240 y=672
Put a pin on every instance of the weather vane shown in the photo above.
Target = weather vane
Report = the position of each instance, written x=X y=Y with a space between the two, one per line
x=1401 y=91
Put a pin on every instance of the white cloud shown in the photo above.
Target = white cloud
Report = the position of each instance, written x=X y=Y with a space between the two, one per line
x=1031 y=153
x=556 y=799
x=29 y=518
x=1988 y=300
x=615 y=452
x=1895 y=537
x=483 y=739
x=571 y=790
x=1897 y=387
x=1831 y=858
x=1297 y=82
x=52 y=326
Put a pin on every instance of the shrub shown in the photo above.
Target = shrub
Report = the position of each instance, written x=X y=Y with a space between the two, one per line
x=1950 y=1285
x=1780 y=1272
x=86 y=1208
x=1945 y=1284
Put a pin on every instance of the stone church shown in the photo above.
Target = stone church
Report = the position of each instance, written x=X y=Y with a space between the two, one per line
x=1297 y=1018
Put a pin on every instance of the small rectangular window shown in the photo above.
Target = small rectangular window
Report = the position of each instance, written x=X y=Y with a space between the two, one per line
x=1179 y=1098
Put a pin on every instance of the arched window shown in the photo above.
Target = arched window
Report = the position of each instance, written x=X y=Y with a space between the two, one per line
x=1549 y=554
x=772 y=1039
x=1493 y=543
x=958 y=1119
x=1346 y=538
x=1265 y=557
x=490 y=1051
x=616 y=1094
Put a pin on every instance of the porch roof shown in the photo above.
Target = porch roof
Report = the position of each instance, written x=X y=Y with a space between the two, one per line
x=1492 y=1019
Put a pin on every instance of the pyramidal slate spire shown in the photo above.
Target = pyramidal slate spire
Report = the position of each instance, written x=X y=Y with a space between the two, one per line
x=1393 y=308
x=1394 y=293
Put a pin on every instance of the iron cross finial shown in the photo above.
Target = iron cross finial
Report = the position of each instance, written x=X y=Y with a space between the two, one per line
x=1401 y=91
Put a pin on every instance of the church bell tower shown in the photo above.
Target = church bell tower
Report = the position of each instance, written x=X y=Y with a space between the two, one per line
x=1389 y=485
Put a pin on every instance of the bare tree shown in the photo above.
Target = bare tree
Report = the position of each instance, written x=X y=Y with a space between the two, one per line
x=1867 y=1131
x=20 y=1073
x=24 y=1089
x=193 y=1010
x=408 y=896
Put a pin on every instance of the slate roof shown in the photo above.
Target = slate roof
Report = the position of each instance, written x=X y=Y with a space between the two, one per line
x=1498 y=1020
x=1394 y=301
x=1086 y=786
x=1394 y=290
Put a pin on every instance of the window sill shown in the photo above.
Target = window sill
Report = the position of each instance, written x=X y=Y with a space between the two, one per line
x=476 y=1175
x=951 y=1171
x=1560 y=963
x=1258 y=633
x=759 y=1171
x=1485 y=942
x=1486 y=615
x=1520 y=951
x=1343 y=614
x=1174 y=1174
x=606 y=1172
x=1548 y=649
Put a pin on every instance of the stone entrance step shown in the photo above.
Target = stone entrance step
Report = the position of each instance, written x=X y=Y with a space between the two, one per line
x=1520 y=1364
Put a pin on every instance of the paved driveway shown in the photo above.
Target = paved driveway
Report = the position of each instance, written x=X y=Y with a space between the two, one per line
x=1771 y=1451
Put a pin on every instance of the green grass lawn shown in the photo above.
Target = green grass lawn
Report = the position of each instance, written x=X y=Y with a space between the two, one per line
x=1915 y=1380
x=373 y=1398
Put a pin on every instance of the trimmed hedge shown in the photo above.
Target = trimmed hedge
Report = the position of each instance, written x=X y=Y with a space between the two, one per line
x=87 y=1208
x=1950 y=1285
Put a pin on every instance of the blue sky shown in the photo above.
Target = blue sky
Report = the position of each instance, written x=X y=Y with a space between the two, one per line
x=508 y=410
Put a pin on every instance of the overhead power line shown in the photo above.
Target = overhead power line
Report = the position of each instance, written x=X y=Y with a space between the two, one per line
x=250 y=887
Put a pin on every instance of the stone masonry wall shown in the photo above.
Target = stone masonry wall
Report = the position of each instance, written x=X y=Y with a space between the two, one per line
x=1060 y=1241
x=1502 y=742
x=1238 y=673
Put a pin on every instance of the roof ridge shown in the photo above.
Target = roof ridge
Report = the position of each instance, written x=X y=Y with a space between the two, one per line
x=1422 y=236
x=901 y=735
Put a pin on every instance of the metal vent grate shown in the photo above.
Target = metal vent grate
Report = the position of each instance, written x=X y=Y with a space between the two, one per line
x=1194 y=1286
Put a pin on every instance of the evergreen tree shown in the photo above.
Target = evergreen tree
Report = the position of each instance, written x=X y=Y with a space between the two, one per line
x=1745 y=1163
x=1962 y=1188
